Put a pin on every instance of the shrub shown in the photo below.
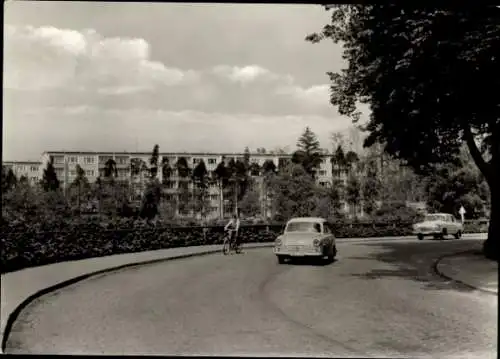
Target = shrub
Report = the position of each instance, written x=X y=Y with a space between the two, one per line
x=30 y=243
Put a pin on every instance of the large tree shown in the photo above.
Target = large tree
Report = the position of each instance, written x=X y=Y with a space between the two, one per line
x=184 y=173
x=153 y=161
x=309 y=152
x=201 y=181
x=49 y=180
x=9 y=179
x=429 y=87
x=221 y=177
x=79 y=188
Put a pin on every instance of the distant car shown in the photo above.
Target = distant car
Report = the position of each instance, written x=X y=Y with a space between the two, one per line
x=438 y=225
x=306 y=237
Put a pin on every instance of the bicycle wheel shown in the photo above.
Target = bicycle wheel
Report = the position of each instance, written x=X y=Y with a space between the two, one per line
x=226 y=246
x=238 y=248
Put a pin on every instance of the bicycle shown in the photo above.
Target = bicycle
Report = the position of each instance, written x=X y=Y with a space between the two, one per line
x=230 y=244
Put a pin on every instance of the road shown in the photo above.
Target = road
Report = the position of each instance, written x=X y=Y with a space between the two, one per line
x=378 y=299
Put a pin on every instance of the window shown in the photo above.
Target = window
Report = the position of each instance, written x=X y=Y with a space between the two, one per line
x=58 y=159
x=196 y=160
x=212 y=161
x=34 y=169
x=322 y=173
x=72 y=159
x=121 y=160
x=103 y=159
x=90 y=173
x=323 y=184
x=88 y=160
x=34 y=179
x=72 y=173
x=59 y=172
x=214 y=197
x=304 y=227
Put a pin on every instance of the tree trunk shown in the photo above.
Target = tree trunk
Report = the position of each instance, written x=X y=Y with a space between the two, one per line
x=490 y=246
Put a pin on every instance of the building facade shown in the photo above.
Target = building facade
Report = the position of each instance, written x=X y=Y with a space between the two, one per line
x=31 y=170
x=94 y=163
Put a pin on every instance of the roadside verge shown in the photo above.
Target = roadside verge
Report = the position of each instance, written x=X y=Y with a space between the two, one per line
x=469 y=268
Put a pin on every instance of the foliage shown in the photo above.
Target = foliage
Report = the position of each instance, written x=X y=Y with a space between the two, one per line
x=79 y=189
x=407 y=64
x=49 y=180
x=153 y=161
x=309 y=152
x=396 y=211
x=201 y=181
x=451 y=186
x=9 y=179
x=371 y=187
x=151 y=199
x=166 y=170
x=353 y=193
x=250 y=203
x=110 y=169
x=293 y=192
x=184 y=172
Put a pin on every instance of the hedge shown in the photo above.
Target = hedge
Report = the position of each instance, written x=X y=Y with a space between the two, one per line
x=55 y=241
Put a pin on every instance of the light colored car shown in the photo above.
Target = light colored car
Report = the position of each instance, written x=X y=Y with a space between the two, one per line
x=306 y=237
x=438 y=225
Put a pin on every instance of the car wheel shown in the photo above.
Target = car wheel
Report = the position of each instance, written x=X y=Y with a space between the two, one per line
x=420 y=236
x=281 y=259
x=444 y=234
x=334 y=251
x=458 y=235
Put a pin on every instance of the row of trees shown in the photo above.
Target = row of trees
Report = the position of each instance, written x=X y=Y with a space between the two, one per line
x=364 y=183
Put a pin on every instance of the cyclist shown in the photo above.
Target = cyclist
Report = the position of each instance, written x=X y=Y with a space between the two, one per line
x=234 y=226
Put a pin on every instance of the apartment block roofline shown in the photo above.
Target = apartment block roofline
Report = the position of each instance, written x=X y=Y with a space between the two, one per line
x=22 y=162
x=117 y=153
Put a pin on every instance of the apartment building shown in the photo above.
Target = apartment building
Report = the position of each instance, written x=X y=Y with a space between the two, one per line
x=93 y=163
x=31 y=170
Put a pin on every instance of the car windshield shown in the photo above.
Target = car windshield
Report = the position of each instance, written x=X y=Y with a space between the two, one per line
x=313 y=227
x=434 y=217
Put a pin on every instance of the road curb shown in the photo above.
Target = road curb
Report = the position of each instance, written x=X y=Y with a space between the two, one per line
x=15 y=314
x=445 y=276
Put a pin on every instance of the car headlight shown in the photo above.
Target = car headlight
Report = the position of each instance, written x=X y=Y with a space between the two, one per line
x=278 y=242
x=316 y=242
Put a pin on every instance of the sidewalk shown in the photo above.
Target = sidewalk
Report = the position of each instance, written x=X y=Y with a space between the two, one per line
x=471 y=269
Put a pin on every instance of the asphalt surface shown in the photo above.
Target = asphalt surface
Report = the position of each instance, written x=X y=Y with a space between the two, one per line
x=378 y=299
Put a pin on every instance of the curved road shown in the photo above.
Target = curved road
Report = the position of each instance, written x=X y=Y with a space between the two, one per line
x=377 y=299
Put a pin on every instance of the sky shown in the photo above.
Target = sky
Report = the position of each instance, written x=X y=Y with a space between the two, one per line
x=105 y=76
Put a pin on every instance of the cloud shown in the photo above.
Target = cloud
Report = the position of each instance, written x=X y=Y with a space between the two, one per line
x=47 y=57
x=120 y=130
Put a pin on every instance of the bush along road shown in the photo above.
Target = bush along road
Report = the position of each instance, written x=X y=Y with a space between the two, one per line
x=26 y=245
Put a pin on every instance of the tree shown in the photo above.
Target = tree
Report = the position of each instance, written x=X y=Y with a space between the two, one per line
x=151 y=199
x=153 y=161
x=221 y=177
x=250 y=203
x=309 y=152
x=268 y=171
x=201 y=182
x=371 y=187
x=80 y=185
x=49 y=180
x=184 y=172
x=353 y=193
x=407 y=65
x=294 y=193
x=9 y=179
x=451 y=187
